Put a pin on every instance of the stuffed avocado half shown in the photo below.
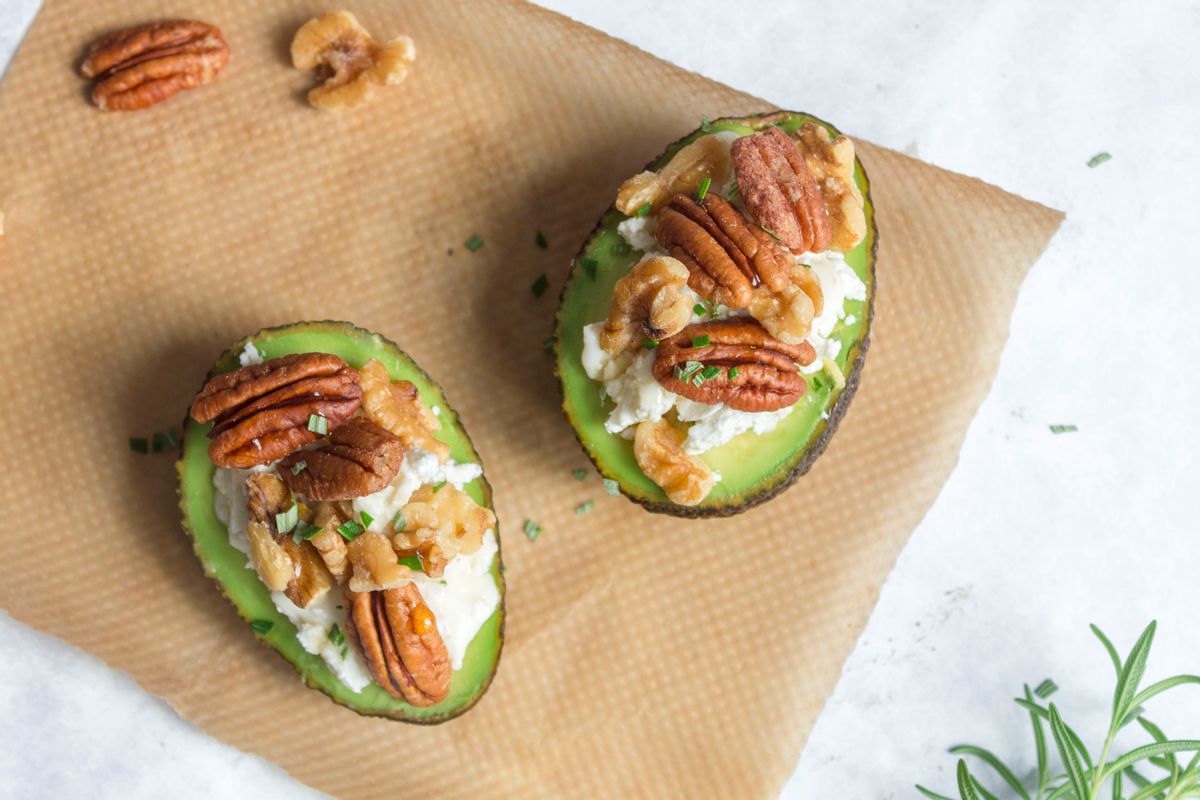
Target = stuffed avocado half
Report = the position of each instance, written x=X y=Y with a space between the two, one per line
x=335 y=498
x=713 y=328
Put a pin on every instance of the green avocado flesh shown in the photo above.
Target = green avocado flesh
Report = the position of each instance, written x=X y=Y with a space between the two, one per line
x=753 y=467
x=227 y=566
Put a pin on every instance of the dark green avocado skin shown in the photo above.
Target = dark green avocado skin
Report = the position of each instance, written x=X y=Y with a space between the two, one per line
x=853 y=374
x=380 y=704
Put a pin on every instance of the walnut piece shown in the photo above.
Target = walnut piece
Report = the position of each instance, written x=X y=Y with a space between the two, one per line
x=442 y=523
x=397 y=407
x=831 y=162
x=779 y=191
x=141 y=66
x=284 y=565
x=658 y=448
x=707 y=157
x=351 y=65
x=398 y=637
x=648 y=303
x=725 y=255
x=328 y=542
x=735 y=362
x=360 y=459
x=262 y=412
x=376 y=565
x=788 y=312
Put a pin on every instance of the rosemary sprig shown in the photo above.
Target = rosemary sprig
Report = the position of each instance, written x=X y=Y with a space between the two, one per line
x=1078 y=777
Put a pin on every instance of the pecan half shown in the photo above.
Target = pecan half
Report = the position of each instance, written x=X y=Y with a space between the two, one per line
x=742 y=365
x=141 y=66
x=399 y=640
x=725 y=255
x=262 y=411
x=779 y=190
x=360 y=459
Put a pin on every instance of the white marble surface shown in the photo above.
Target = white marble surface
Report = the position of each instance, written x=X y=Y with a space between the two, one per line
x=1035 y=535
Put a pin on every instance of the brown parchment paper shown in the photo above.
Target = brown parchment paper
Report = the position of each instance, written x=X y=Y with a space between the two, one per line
x=645 y=656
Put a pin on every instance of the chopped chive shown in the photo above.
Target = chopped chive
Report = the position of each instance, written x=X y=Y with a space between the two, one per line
x=710 y=372
x=305 y=531
x=612 y=487
x=689 y=369
x=540 y=240
x=548 y=344
x=702 y=189
x=413 y=563
x=818 y=383
x=532 y=530
x=262 y=626
x=139 y=444
x=590 y=265
x=701 y=341
x=705 y=124
x=732 y=194
x=285 y=521
x=336 y=636
x=649 y=344
x=769 y=232
x=733 y=373
x=366 y=518
x=699 y=310
x=621 y=249
x=584 y=508
x=399 y=523
x=579 y=474
x=1098 y=159
x=1064 y=428
x=318 y=424
x=474 y=243
x=158 y=443
x=350 y=530
x=1046 y=688
x=643 y=210
x=443 y=581
x=437 y=487
x=540 y=285
x=299 y=467
x=345 y=651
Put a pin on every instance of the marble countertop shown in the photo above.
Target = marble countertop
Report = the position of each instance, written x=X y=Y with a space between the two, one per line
x=1035 y=535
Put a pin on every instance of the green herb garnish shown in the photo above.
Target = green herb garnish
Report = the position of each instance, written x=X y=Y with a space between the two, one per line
x=299 y=467
x=579 y=474
x=590 y=265
x=702 y=189
x=437 y=487
x=705 y=124
x=688 y=369
x=172 y=436
x=621 y=249
x=1098 y=159
x=336 y=636
x=532 y=530
x=412 y=562
x=539 y=286
x=474 y=243
x=612 y=487
x=548 y=344
x=643 y=210
x=158 y=443
x=318 y=424
x=540 y=240
x=710 y=372
x=305 y=531
x=733 y=373
x=649 y=344
x=732 y=194
x=1064 y=428
x=699 y=310
x=139 y=444
x=585 y=507
x=285 y=521
x=398 y=521
x=770 y=232
x=701 y=341
x=1078 y=776
x=366 y=518
x=262 y=626
x=350 y=530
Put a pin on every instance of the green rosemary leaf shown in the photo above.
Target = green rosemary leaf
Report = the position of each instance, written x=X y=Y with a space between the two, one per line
x=702 y=189
x=990 y=758
x=584 y=507
x=1131 y=674
x=590 y=265
x=412 y=562
x=532 y=530
x=262 y=626
x=1098 y=159
x=1068 y=754
x=579 y=474
x=611 y=487
x=966 y=783
x=931 y=794
x=649 y=344
x=1162 y=686
x=474 y=243
x=540 y=285
x=643 y=210
x=540 y=240
x=1046 y=688
x=1108 y=645
x=1149 y=750
x=1117 y=792
x=1039 y=742
x=705 y=123
x=1064 y=428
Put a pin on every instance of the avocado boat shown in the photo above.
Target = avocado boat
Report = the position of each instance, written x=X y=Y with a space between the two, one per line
x=713 y=328
x=335 y=498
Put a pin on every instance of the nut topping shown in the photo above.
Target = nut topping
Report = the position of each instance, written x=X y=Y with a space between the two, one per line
x=262 y=411
x=398 y=408
x=375 y=564
x=788 y=313
x=725 y=256
x=658 y=448
x=707 y=157
x=400 y=643
x=351 y=63
x=328 y=542
x=779 y=190
x=441 y=524
x=145 y=65
x=831 y=162
x=294 y=568
x=741 y=366
x=360 y=459
x=649 y=302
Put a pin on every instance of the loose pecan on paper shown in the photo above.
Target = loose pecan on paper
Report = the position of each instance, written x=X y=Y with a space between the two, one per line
x=398 y=637
x=735 y=362
x=262 y=412
x=141 y=66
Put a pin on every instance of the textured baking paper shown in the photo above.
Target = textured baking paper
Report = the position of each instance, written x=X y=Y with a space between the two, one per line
x=645 y=656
